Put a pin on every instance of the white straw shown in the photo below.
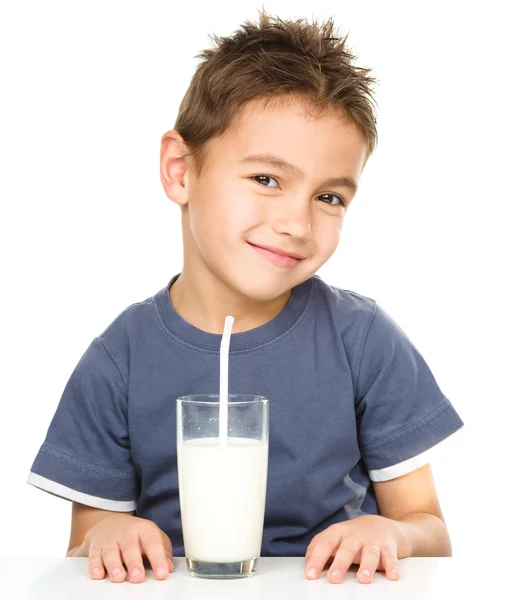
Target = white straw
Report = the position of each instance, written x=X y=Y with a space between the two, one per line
x=224 y=349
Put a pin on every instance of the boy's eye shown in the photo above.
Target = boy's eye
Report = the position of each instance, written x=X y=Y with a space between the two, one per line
x=264 y=179
x=332 y=199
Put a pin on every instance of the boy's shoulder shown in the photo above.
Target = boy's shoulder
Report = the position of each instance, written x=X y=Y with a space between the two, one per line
x=354 y=313
x=343 y=303
x=134 y=320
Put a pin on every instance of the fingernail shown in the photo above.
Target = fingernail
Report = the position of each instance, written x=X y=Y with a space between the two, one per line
x=161 y=571
x=115 y=572
x=311 y=573
x=96 y=571
x=366 y=573
x=336 y=574
x=136 y=572
x=395 y=572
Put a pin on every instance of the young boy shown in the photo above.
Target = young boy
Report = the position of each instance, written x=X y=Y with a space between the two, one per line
x=264 y=161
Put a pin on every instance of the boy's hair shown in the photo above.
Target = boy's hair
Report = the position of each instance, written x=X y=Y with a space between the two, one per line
x=286 y=60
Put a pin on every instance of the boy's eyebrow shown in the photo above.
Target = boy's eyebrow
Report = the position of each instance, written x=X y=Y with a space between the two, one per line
x=271 y=160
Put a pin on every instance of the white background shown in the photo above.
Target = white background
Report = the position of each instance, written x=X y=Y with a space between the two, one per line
x=86 y=229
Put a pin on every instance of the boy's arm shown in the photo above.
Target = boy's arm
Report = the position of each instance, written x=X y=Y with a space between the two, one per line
x=82 y=519
x=410 y=523
x=412 y=500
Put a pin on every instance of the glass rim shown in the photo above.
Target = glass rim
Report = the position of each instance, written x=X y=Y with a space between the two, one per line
x=190 y=399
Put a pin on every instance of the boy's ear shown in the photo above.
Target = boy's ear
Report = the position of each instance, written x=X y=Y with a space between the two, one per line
x=173 y=167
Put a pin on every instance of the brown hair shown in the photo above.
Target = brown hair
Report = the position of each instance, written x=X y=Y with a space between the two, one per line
x=292 y=59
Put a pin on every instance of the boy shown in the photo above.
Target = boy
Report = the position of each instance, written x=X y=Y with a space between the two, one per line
x=265 y=158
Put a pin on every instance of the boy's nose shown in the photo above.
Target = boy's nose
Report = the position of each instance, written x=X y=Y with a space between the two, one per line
x=296 y=223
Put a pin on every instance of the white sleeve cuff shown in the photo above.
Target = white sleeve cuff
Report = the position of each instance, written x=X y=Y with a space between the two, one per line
x=400 y=469
x=70 y=494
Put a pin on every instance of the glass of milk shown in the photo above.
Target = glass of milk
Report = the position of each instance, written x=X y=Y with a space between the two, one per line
x=222 y=486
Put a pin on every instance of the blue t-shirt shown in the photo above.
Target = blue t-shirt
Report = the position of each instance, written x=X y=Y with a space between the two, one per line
x=351 y=401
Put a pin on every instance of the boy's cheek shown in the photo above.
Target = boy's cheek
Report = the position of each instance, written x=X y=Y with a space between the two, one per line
x=325 y=247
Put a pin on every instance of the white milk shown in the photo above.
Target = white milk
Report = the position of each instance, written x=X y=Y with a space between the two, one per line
x=222 y=497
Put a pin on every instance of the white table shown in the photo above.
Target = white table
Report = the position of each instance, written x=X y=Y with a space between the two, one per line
x=277 y=578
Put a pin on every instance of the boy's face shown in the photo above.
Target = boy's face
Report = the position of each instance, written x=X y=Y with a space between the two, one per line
x=240 y=205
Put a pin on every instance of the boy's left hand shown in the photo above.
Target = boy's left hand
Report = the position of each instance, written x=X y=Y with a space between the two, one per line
x=373 y=541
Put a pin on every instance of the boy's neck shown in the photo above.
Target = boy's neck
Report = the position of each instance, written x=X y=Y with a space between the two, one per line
x=206 y=304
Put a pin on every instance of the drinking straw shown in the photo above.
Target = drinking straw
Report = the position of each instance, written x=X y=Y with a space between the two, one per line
x=224 y=349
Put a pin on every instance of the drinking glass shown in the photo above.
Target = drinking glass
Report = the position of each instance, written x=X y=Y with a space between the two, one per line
x=222 y=483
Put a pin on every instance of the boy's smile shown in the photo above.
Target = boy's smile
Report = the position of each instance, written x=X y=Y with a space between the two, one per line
x=278 y=256
x=267 y=209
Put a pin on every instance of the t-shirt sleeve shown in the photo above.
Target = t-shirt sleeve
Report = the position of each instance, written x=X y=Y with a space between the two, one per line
x=401 y=411
x=86 y=455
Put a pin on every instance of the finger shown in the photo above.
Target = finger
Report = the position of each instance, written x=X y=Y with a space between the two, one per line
x=390 y=563
x=310 y=547
x=319 y=552
x=343 y=559
x=95 y=563
x=370 y=559
x=131 y=554
x=112 y=560
x=168 y=549
x=153 y=547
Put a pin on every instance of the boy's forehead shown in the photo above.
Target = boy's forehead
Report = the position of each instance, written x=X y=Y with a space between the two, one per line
x=297 y=132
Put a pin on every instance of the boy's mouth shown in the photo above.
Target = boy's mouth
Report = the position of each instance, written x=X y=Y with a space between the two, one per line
x=277 y=256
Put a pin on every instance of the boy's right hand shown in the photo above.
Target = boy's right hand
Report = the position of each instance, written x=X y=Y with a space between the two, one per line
x=125 y=538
